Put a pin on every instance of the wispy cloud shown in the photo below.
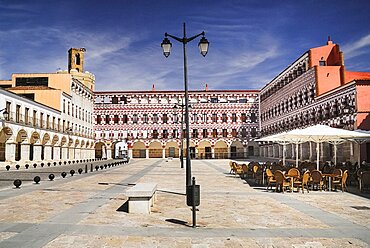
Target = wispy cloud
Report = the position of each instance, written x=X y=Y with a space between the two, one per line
x=358 y=47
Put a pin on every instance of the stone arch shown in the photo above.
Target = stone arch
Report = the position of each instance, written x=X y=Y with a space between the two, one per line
x=5 y=134
x=204 y=149
x=172 y=149
x=252 y=148
x=22 y=136
x=119 y=149
x=221 y=149
x=100 y=150
x=236 y=149
x=45 y=140
x=138 y=149
x=155 y=149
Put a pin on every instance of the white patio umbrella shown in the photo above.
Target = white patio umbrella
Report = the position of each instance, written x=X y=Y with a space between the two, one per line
x=322 y=133
x=360 y=141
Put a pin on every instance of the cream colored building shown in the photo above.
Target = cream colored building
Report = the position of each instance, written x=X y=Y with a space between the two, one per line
x=50 y=114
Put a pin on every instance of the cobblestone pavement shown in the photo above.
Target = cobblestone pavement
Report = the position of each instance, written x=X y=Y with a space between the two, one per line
x=87 y=210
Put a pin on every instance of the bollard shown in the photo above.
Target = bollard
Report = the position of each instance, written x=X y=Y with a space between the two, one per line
x=101 y=167
x=7 y=167
x=85 y=168
x=34 y=165
x=27 y=165
x=96 y=168
x=72 y=172
x=37 y=179
x=42 y=164
x=17 y=183
x=51 y=177
x=63 y=174
x=80 y=170
x=91 y=168
x=17 y=166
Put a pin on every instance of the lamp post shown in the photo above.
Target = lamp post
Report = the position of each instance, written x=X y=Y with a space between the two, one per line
x=5 y=113
x=203 y=47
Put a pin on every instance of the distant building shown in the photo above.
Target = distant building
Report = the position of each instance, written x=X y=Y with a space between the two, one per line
x=50 y=114
x=223 y=123
x=316 y=89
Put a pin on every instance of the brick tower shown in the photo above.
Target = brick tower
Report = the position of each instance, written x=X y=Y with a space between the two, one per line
x=76 y=59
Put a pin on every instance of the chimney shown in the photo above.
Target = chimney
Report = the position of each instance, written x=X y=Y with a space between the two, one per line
x=329 y=41
x=206 y=87
x=153 y=88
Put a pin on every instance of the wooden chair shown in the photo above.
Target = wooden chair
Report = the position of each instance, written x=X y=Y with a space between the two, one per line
x=245 y=170
x=342 y=182
x=316 y=179
x=337 y=172
x=303 y=183
x=231 y=167
x=294 y=172
x=237 y=169
x=257 y=174
x=270 y=179
x=364 y=180
x=282 y=182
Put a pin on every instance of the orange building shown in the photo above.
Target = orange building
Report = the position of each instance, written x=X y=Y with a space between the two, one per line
x=317 y=89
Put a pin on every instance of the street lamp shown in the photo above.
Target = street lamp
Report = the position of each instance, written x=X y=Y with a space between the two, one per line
x=203 y=47
x=192 y=190
x=5 y=113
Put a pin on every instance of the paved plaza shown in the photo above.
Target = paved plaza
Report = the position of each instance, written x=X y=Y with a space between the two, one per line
x=88 y=210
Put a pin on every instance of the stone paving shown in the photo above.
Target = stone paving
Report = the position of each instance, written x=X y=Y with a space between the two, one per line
x=88 y=210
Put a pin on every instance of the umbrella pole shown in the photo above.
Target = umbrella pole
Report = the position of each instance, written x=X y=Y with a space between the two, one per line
x=284 y=151
x=335 y=154
x=296 y=155
x=318 y=156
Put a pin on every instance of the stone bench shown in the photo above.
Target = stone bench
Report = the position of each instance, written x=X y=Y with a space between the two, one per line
x=141 y=198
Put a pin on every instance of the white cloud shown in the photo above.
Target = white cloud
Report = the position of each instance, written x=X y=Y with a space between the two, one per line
x=358 y=47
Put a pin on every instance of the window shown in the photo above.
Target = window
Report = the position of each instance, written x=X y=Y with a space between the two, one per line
x=26 y=115
x=204 y=118
x=224 y=132
x=165 y=134
x=155 y=118
x=155 y=134
x=53 y=123
x=41 y=120
x=73 y=109
x=244 y=132
x=175 y=118
x=233 y=117
x=18 y=113
x=64 y=125
x=253 y=117
x=124 y=119
x=214 y=133
x=214 y=117
x=175 y=133
x=34 y=118
x=244 y=117
x=214 y=100
x=205 y=133
x=47 y=121
x=253 y=132
x=164 y=118
x=98 y=119
x=195 y=118
x=134 y=118
x=64 y=105
x=8 y=104
x=114 y=100
x=58 y=124
x=234 y=133
x=243 y=100
x=115 y=119
x=224 y=118
x=145 y=118
x=68 y=109
x=31 y=81
x=195 y=133
x=107 y=119
x=322 y=63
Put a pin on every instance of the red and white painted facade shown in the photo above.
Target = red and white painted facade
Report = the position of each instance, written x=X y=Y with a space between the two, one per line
x=317 y=89
x=222 y=123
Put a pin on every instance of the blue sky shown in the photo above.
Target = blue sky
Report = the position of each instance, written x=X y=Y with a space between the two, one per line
x=250 y=41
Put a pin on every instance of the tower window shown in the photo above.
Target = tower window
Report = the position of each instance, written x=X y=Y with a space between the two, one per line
x=77 y=59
